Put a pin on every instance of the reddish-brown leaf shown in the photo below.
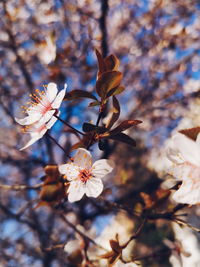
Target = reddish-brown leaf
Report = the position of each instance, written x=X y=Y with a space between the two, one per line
x=124 y=126
x=76 y=94
x=111 y=62
x=115 y=113
x=191 y=133
x=107 y=81
x=101 y=63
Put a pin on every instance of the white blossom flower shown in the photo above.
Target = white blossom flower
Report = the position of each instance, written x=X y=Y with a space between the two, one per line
x=43 y=105
x=84 y=177
x=185 y=155
x=37 y=130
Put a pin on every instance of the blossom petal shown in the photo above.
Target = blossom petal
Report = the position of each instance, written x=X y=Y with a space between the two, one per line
x=51 y=92
x=32 y=118
x=188 y=148
x=58 y=100
x=83 y=158
x=48 y=116
x=184 y=171
x=94 y=187
x=70 y=170
x=34 y=137
x=76 y=191
x=188 y=193
x=102 y=167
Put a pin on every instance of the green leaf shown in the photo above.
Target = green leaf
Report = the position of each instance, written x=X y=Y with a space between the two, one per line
x=115 y=114
x=107 y=81
x=124 y=126
x=76 y=94
x=121 y=137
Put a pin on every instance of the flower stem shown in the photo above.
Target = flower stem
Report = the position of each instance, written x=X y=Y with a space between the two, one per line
x=75 y=130
x=54 y=140
x=97 y=124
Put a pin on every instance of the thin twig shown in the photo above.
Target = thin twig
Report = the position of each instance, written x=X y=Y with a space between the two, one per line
x=20 y=187
x=68 y=125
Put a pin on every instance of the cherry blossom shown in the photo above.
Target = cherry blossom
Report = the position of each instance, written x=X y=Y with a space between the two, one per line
x=37 y=130
x=84 y=177
x=43 y=105
x=185 y=155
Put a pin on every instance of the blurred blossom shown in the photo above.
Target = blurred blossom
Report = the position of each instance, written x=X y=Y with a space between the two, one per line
x=47 y=50
x=185 y=155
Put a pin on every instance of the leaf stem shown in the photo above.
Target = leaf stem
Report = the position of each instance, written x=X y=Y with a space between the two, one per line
x=54 y=140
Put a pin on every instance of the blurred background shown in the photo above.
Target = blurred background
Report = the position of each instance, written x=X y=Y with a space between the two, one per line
x=157 y=42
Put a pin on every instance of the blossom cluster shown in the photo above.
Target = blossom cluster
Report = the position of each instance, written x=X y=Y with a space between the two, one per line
x=83 y=176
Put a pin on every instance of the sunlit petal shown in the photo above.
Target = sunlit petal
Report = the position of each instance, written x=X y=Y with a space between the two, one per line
x=76 y=191
x=70 y=170
x=51 y=92
x=94 y=187
x=83 y=158
x=102 y=167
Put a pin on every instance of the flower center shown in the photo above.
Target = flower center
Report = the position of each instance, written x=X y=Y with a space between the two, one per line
x=38 y=98
x=85 y=175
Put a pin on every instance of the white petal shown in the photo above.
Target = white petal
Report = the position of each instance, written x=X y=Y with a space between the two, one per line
x=83 y=158
x=102 y=167
x=184 y=171
x=76 y=191
x=174 y=155
x=94 y=187
x=33 y=139
x=47 y=116
x=32 y=118
x=188 y=148
x=50 y=123
x=70 y=170
x=58 y=100
x=188 y=193
x=52 y=91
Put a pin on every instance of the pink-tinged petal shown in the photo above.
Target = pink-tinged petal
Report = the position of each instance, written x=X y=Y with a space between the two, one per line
x=70 y=170
x=29 y=119
x=47 y=116
x=50 y=123
x=188 y=193
x=83 y=158
x=102 y=167
x=184 y=171
x=188 y=148
x=58 y=100
x=94 y=187
x=51 y=92
x=76 y=191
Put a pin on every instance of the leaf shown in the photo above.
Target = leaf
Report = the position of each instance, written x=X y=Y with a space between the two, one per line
x=124 y=126
x=108 y=81
x=121 y=137
x=115 y=91
x=77 y=145
x=115 y=246
x=191 y=133
x=76 y=94
x=101 y=63
x=93 y=104
x=115 y=114
x=111 y=62
x=88 y=127
x=103 y=143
